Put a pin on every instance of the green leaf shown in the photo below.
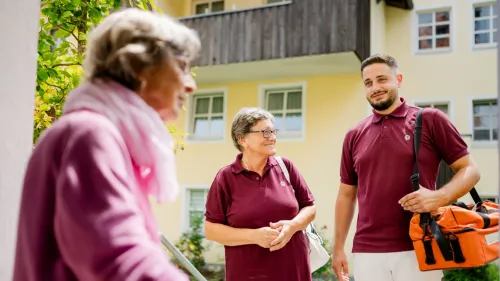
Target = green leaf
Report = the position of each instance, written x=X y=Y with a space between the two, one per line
x=45 y=48
x=50 y=41
x=43 y=75
x=75 y=80
x=67 y=14
x=62 y=33
x=75 y=2
x=78 y=13
x=52 y=73
x=66 y=26
x=116 y=4
x=46 y=11
x=65 y=73
x=94 y=13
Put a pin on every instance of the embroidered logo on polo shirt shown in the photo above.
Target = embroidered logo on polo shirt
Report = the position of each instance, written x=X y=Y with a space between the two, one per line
x=407 y=137
x=282 y=183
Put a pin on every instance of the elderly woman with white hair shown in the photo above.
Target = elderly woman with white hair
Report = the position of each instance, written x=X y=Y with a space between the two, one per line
x=85 y=213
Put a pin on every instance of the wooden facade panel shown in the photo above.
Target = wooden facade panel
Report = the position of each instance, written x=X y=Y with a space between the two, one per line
x=304 y=27
x=363 y=30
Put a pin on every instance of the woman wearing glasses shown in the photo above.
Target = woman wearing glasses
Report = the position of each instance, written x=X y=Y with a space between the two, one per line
x=255 y=212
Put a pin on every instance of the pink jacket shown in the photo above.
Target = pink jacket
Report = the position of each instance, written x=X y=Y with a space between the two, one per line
x=83 y=213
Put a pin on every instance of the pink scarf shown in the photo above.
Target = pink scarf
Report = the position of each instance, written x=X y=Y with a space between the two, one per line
x=149 y=143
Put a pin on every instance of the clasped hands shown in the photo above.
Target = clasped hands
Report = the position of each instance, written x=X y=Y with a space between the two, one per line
x=276 y=235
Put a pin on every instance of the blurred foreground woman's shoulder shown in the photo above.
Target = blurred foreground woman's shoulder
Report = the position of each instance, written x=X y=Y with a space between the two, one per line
x=85 y=212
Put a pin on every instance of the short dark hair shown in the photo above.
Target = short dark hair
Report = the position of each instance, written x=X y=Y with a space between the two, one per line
x=380 y=58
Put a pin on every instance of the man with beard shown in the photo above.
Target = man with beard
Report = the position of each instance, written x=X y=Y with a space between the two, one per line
x=376 y=165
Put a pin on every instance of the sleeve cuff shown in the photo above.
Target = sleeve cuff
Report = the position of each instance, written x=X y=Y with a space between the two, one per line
x=348 y=182
x=456 y=156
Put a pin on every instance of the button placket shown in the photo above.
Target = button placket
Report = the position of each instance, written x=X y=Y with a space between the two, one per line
x=385 y=122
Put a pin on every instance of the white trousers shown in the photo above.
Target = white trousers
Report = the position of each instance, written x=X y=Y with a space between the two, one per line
x=397 y=266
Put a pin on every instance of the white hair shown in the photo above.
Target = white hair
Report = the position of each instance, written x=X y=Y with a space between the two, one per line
x=130 y=40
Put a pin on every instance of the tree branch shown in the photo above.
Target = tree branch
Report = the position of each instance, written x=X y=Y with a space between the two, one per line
x=71 y=32
x=74 y=46
x=65 y=64
x=55 y=86
x=62 y=98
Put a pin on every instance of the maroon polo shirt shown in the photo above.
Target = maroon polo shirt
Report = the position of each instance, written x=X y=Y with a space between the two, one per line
x=378 y=157
x=243 y=199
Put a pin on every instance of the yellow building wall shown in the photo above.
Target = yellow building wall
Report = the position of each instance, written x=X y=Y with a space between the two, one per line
x=457 y=76
x=174 y=8
x=243 y=4
x=183 y=8
x=333 y=104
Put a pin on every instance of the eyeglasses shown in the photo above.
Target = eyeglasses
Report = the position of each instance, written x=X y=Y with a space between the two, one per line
x=266 y=133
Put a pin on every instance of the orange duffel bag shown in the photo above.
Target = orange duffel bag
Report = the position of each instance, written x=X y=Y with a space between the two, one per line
x=455 y=236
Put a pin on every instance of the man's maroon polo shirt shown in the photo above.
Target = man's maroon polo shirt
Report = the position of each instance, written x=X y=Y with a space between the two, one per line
x=243 y=199
x=378 y=157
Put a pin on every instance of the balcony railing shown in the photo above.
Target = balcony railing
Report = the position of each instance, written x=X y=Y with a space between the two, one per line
x=283 y=30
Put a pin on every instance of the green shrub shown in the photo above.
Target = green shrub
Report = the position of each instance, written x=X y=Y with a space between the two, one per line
x=325 y=272
x=488 y=272
x=191 y=245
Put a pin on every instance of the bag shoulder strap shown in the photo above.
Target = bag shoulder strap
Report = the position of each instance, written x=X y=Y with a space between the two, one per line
x=416 y=142
x=417 y=136
x=310 y=229
x=283 y=167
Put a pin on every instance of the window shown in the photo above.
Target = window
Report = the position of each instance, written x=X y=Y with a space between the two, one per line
x=485 y=24
x=434 y=30
x=485 y=120
x=441 y=106
x=208 y=7
x=207 y=118
x=286 y=106
x=196 y=199
x=489 y=197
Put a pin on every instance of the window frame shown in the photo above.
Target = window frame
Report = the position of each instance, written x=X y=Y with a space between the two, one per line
x=472 y=101
x=478 y=3
x=448 y=102
x=186 y=208
x=284 y=136
x=209 y=2
x=488 y=102
x=191 y=114
x=433 y=9
x=266 y=2
x=484 y=196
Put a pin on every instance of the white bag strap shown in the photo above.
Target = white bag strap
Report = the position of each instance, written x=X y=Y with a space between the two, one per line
x=283 y=168
x=310 y=229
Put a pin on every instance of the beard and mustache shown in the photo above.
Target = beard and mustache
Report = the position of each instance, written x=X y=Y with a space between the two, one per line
x=384 y=104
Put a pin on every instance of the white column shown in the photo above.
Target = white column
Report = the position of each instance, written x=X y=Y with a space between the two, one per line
x=377 y=28
x=19 y=22
x=498 y=105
